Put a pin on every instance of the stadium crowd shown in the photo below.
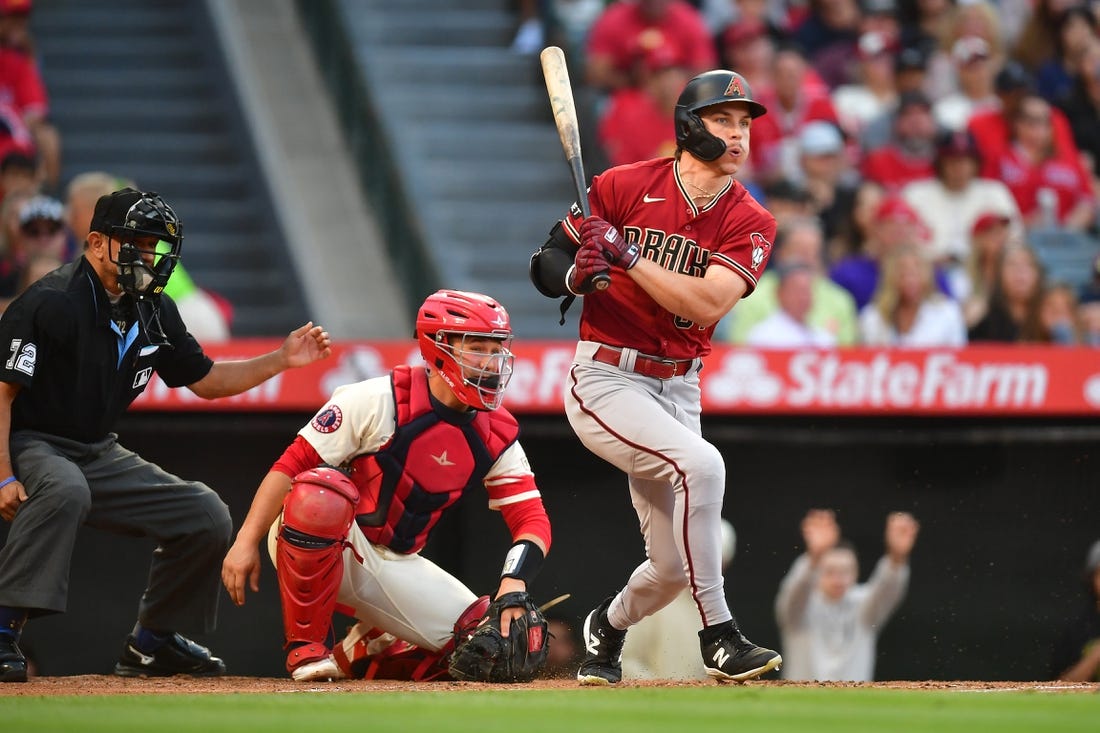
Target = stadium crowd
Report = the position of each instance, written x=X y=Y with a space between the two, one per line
x=943 y=151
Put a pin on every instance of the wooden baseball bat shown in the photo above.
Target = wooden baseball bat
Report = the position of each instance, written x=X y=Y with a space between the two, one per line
x=565 y=118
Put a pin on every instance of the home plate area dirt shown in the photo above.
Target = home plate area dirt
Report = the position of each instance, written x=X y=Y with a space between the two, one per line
x=111 y=685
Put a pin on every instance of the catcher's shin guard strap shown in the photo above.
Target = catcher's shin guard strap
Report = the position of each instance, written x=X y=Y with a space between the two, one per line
x=309 y=579
x=523 y=561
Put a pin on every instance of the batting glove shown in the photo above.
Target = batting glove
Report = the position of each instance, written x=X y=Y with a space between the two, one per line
x=588 y=263
x=596 y=232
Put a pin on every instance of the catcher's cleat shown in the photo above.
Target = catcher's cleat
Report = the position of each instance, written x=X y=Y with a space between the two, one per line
x=178 y=655
x=733 y=657
x=603 y=646
x=318 y=669
x=13 y=665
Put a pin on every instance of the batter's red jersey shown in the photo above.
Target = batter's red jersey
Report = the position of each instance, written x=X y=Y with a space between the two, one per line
x=649 y=204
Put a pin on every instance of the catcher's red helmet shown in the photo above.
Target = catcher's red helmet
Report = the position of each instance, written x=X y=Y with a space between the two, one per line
x=446 y=324
x=706 y=89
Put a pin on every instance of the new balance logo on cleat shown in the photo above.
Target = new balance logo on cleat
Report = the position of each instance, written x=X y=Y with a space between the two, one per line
x=603 y=646
x=733 y=657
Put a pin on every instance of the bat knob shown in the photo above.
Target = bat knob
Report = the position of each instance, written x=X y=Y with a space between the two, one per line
x=602 y=281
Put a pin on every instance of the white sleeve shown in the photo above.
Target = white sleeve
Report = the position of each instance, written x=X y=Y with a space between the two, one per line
x=358 y=418
x=794 y=594
x=872 y=331
x=885 y=590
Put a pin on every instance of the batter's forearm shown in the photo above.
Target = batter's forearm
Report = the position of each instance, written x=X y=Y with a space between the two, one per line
x=702 y=300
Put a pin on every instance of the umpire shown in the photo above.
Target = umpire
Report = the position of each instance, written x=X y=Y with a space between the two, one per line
x=81 y=344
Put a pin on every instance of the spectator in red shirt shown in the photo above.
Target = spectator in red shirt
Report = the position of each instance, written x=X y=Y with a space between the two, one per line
x=910 y=156
x=798 y=96
x=748 y=46
x=628 y=28
x=992 y=128
x=1049 y=185
x=638 y=122
x=24 y=104
x=15 y=32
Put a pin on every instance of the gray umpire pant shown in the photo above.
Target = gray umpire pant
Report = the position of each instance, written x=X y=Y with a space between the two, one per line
x=106 y=486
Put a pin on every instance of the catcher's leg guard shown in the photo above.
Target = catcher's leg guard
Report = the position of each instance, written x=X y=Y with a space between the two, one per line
x=374 y=654
x=317 y=514
x=468 y=620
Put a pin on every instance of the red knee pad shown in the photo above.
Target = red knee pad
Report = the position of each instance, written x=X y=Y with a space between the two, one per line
x=321 y=503
x=309 y=558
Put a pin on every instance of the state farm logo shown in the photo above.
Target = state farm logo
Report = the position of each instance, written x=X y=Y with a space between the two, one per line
x=877 y=379
x=743 y=377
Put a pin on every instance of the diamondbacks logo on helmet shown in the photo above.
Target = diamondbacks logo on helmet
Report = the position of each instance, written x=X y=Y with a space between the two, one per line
x=734 y=89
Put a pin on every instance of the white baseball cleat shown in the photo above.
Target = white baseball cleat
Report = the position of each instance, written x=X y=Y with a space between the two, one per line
x=321 y=669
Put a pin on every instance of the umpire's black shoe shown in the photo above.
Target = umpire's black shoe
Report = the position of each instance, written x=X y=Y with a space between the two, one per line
x=731 y=656
x=13 y=665
x=178 y=655
x=603 y=647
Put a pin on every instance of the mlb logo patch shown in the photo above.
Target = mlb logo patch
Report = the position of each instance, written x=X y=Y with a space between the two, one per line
x=142 y=378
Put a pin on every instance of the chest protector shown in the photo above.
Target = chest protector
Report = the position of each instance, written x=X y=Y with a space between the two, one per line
x=434 y=455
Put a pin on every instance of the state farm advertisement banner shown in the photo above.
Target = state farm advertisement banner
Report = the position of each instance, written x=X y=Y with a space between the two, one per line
x=975 y=381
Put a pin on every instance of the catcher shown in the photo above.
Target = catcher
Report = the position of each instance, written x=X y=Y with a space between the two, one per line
x=350 y=503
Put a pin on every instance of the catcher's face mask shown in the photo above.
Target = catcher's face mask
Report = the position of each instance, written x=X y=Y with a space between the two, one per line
x=480 y=367
x=467 y=337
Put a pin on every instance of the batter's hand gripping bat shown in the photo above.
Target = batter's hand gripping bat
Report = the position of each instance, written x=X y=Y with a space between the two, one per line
x=565 y=117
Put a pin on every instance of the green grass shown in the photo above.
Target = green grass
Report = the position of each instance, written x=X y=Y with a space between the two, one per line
x=516 y=710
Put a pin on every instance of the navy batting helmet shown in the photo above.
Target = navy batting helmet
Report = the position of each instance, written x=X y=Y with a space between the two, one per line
x=706 y=89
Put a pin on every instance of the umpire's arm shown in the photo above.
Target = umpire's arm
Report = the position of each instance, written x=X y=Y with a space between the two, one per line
x=303 y=346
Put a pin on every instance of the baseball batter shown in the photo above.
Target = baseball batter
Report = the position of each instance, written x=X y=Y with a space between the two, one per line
x=683 y=242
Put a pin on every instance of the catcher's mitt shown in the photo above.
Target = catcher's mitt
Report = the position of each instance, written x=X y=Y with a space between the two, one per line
x=487 y=656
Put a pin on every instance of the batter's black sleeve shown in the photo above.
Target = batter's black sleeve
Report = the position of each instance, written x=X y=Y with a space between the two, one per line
x=550 y=264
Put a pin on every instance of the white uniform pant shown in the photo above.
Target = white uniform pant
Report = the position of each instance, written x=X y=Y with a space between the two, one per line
x=406 y=595
x=650 y=429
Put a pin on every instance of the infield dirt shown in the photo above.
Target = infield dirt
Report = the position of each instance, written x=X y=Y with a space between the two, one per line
x=111 y=685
